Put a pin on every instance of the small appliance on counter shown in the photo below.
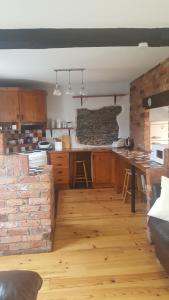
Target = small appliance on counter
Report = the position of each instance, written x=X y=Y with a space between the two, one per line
x=129 y=142
x=157 y=153
x=44 y=145
x=120 y=143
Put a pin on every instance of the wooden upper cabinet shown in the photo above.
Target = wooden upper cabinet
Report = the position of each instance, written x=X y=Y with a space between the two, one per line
x=22 y=105
x=32 y=106
x=102 y=169
x=9 y=105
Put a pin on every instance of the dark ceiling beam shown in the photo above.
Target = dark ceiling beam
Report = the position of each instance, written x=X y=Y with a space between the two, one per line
x=44 y=38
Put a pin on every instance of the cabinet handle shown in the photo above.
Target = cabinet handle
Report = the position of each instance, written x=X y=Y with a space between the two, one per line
x=17 y=116
x=60 y=172
x=59 y=165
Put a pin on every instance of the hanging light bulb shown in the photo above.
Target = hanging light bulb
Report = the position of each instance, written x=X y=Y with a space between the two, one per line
x=82 y=91
x=57 y=91
x=69 y=90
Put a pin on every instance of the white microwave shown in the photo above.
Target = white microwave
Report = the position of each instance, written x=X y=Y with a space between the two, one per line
x=157 y=153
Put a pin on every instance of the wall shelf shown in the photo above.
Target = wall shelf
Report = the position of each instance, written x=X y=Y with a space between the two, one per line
x=68 y=129
x=99 y=96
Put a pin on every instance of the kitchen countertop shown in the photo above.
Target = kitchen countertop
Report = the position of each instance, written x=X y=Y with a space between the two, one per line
x=88 y=149
x=139 y=159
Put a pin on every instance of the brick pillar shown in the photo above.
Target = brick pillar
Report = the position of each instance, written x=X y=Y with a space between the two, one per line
x=2 y=143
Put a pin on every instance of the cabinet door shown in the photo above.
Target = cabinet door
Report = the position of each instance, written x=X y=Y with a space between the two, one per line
x=102 y=169
x=9 y=106
x=32 y=106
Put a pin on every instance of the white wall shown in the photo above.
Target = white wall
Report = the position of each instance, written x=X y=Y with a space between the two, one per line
x=159 y=114
x=64 y=107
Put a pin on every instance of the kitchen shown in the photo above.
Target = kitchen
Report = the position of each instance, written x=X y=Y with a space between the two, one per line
x=83 y=102
x=24 y=120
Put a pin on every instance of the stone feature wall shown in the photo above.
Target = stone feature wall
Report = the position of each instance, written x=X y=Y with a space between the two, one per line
x=153 y=82
x=98 y=127
x=26 y=209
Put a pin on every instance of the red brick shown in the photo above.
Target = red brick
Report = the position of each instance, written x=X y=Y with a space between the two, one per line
x=29 y=208
x=8 y=195
x=40 y=215
x=18 y=217
x=45 y=177
x=40 y=230
x=46 y=208
x=30 y=179
x=28 y=194
x=16 y=202
x=8 y=210
x=8 y=180
x=20 y=246
x=2 y=203
x=8 y=224
x=4 y=247
x=10 y=239
x=30 y=223
x=45 y=222
x=3 y=232
x=18 y=231
x=36 y=201
x=37 y=244
x=40 y=186
x=3 y=218
x=32 y=238
x=44 y=194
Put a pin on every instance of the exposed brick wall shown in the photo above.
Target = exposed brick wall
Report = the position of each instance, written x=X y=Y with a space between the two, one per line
x=2 y=143
x=153 y=82
x=26 y=212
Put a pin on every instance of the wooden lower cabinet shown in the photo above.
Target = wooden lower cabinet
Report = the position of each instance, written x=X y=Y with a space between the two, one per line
x=102 y=169
x=107 y=169
x=60 y=162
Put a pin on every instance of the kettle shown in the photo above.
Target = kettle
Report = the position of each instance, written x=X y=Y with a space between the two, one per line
x=129 y=142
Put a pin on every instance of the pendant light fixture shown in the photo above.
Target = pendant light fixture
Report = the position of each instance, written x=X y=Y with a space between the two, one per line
x=82 y=91
x=69 y=90
x=57 y=91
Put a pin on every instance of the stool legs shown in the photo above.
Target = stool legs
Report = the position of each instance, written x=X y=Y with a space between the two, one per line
x=80 y=178
x=124 y=184
x=85 y=174
x=127 y=184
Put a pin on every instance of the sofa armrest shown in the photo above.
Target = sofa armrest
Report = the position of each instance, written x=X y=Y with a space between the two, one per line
x=19 y=285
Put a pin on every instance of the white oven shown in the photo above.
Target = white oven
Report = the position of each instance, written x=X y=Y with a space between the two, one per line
x=157 y=153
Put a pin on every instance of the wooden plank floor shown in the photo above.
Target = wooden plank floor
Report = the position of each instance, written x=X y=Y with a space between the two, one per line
x=101 y=252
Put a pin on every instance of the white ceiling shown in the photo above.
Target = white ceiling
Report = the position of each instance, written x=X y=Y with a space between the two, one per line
x=102 y=64
x=83 y=13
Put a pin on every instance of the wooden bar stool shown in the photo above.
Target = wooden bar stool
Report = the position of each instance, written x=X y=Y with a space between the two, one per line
x=80 y=173
x=127 y=184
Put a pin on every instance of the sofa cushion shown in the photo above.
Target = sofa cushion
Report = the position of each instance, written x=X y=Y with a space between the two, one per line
x=160 y=229
x=19 y=285
x=156 y=191
x=160 y=209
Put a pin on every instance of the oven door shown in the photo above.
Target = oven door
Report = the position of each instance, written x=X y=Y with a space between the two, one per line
x=159 y=156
